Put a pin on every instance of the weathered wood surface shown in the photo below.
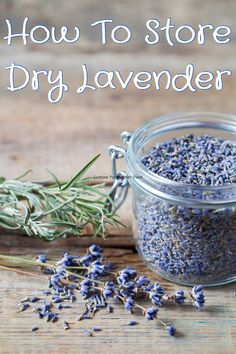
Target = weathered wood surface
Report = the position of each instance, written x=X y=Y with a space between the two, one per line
x=212 y=330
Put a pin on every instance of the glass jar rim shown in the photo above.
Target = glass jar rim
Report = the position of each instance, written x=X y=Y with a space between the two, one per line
x=167 y=123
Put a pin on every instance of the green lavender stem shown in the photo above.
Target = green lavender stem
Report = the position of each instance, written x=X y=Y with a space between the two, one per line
x=55 y=210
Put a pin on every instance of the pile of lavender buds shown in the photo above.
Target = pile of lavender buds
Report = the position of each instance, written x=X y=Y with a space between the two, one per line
x=93 y=280
x=185 y=244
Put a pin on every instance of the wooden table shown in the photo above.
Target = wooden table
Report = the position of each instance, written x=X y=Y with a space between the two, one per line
x=211 y=330
x=35 y=134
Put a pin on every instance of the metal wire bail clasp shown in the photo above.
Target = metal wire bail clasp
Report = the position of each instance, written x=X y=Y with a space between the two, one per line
x=120 y=185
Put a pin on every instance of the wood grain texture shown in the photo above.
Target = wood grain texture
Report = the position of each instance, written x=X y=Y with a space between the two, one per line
x=212 y=330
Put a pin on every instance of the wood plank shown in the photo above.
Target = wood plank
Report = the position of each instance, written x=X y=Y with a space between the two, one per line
x=212 y=330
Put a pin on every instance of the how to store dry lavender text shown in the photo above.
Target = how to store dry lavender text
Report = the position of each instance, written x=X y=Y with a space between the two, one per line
x=107 y=32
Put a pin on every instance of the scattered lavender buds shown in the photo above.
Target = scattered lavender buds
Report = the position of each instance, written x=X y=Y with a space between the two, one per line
x=171 y=330
x=198 y=297
x=34 y=329
x=96 y=285
x=132 y=323
x=96 y=329
x=109 y=308
x=41 y=258
x=179 y=297
x=66 y=325
x=87 y=332
x=182 y=243
x=203 y=160
x=23 y=306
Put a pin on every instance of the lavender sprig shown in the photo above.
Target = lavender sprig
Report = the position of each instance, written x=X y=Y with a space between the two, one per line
x=90 y=279
x=56 y=209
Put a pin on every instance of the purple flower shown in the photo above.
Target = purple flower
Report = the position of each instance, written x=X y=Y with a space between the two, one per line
x=158 y=289
x=60 y=270
x=132 y=323
x=86 y=260
x=132 y=273
x=96 y=329
x=95 y=250
x=155 y=298
x=66 y=260
x=41 y=258
x=129 y=304
x=148 y=287
x=109 y=289
x=49 y=316
x=87 y=333
x=126 y=274
x=54 y=317
x=56 y=299
x=34 y=329
x=23 y=307
x=98 y=301
x=97 y=269
x=141 y=281
x=197 y=288
x=127 y=289
x=85 y=287
x=151 y=313
x=156 y=294
x=198 y=296
x=37 y=309
x=46 y=305
x=54 y=281
x=179 y=297
x=171 y=330
x=47 y=271
x=46 y=292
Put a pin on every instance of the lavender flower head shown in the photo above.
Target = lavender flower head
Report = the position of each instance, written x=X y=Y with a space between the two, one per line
x=179 y=297
x=129 y=304
x=198 y=296
x=109 y=289
x=95 y=251
x=156 y=294
x=151 y=313
x=126 y=275
x=171 y=330
x=97 y=269
x=141 y=281
x=41 y=258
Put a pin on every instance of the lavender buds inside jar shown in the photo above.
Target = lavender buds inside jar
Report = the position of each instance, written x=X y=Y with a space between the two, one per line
x=190 y=243
x=182 y=170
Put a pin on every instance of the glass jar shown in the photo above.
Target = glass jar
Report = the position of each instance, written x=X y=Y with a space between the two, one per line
x=184 y=233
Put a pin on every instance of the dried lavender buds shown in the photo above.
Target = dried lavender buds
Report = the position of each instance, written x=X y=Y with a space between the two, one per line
x=203 y=160
x=181 y=242
x=89 y=278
